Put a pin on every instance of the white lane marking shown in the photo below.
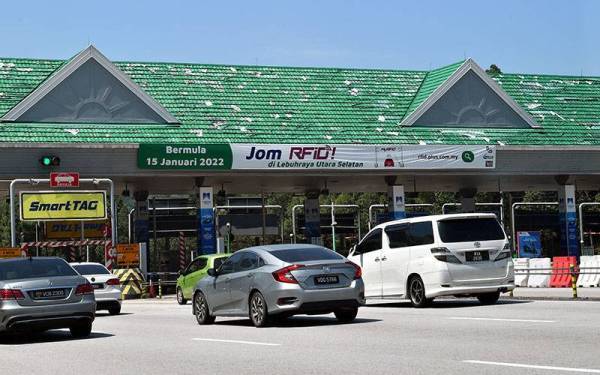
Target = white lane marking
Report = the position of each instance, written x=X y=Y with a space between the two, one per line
x=502 y=320
x=537 y=367
x=237 y=342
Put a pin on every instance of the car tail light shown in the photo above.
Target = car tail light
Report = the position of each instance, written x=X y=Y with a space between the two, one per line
x=284 y=275
x=357 y=270
x=113 y=282
x=9 y=294
x=444 y=255
x=84 y=289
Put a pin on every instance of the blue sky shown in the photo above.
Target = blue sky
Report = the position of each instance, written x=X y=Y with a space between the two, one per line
x=551 y=37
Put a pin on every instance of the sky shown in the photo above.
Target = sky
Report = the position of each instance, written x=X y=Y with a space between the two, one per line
x=534 y=36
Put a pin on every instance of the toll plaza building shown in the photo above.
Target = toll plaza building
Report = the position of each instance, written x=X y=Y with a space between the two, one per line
x=180 y=129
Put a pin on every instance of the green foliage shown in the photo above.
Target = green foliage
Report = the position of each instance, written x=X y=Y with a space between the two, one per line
x=4 y=223
x=493 y=70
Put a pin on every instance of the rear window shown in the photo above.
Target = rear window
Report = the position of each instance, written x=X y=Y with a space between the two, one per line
x=470 y=230
x=34 y=268
x=91 y=269
x=305 y=255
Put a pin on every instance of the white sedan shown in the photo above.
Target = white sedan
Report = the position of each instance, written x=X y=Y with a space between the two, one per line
x=107 y=288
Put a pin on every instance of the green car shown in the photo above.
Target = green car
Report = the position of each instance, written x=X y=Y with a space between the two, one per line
x=195 y=271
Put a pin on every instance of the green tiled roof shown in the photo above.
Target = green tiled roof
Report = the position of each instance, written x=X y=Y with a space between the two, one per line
x=430 y=83
x=238 y=104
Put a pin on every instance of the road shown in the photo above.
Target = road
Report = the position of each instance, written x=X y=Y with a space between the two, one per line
x=452 y=337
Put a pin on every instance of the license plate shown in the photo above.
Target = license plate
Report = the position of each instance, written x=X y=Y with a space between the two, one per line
x=48 y=294
x=477 y=256
x=323 y=280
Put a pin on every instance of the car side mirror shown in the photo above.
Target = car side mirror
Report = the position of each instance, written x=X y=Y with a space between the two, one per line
x=212 y=272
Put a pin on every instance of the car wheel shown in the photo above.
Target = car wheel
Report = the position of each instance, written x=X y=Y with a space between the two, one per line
x=201 y=310
x=488 y=298
x=258 y=310
x=416 y=292
x=180 y=299
x=81 y=330
x=346 y=315
x=115 y=309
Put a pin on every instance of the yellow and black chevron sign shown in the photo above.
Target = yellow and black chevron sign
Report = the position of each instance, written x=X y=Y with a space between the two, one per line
x=131 y=280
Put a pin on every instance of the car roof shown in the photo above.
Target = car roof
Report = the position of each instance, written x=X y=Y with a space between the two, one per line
x=436 y=218
x=86 y=263
x=7 y=260
x=211 y=256
x=270 y=248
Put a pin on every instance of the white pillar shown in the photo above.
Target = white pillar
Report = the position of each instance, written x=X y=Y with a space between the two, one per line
x=396 y=205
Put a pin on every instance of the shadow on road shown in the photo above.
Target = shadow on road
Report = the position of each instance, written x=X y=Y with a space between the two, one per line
x=297 y=321
x=45 y=337
x=449 y=303
x=104 y=314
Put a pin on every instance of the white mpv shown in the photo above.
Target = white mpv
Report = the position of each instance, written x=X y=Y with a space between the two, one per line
x=441 y=255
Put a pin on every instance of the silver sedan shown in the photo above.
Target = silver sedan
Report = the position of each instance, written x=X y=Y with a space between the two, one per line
x=44 y=293
x=266 y=282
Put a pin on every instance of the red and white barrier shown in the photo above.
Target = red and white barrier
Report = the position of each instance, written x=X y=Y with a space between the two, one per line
x=27 y=245
x=181 y=251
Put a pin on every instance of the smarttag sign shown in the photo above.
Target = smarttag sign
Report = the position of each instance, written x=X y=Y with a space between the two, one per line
x=64 y=179
x=68 y=205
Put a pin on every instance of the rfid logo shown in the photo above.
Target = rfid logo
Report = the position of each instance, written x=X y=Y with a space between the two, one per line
x=468 y=156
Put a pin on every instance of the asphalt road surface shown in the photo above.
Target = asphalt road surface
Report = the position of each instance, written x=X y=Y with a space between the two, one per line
x=452 y=337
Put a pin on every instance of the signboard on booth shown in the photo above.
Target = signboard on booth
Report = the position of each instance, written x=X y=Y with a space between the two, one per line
x=10 y=252
x=58 y=230
x=54 y=205
x=184 y=156
x=206 y=222
x=315 y=157
x=529 y=244
x=128 y=254
x=64 y=179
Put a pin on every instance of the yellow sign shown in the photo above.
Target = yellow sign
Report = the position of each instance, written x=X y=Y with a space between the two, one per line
x=59 y=230
x=55 y=205
x=10 y=252
x=128 y=254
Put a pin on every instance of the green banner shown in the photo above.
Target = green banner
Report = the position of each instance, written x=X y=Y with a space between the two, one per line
x=184 y=156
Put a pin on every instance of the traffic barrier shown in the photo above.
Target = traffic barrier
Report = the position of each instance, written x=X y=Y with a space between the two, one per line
x=521 y=271
x=588 y=271
x=539 y=276
x=595 y=279
x=561 y=271
x=27 y=245
x=131 y=280
x=585 y=261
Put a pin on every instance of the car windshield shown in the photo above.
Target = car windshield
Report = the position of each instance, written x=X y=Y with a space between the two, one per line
x=305 y=254
x=91 y=269
x=470 y=230
x=34 y=268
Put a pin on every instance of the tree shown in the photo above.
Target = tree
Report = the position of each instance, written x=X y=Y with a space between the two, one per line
x=493 y=70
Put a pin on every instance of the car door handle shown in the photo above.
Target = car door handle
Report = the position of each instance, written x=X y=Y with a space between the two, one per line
x=250 y=275
x=377 y=259
x=384 y=258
